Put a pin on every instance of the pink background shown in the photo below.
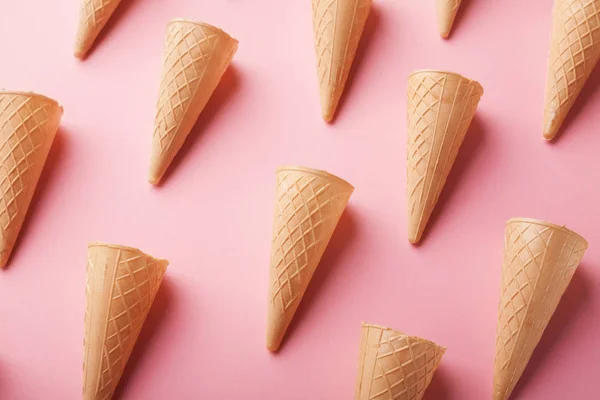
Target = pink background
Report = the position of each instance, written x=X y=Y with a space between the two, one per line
x=212 y=218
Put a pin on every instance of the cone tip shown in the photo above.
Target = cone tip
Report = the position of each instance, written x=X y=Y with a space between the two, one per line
x=154 y=175
x=445 y=34
x=273 y=341
x=328 y=115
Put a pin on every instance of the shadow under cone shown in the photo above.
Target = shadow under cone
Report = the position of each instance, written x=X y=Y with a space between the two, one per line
x=195 y=58
x=308 y=206
x=574 y=52
x=540 y=259
x=28 y=125
x=392 y=365
x=446 y=13
x=338 y=26
x=441 y=106
x=93 y=16
x=121 y=284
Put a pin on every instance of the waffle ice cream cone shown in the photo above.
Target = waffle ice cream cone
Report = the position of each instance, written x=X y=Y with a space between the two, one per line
x=338 y=26
x=540 y=259
x=28 y=125
x=93 y=16
x=446 y=13
x=196 y=56
x=394 y=366
x=574 y=52
x=308 y=206
x=121 y=285
x=441 y=106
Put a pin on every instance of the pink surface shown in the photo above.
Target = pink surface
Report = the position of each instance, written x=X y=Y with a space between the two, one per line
x=212 y=218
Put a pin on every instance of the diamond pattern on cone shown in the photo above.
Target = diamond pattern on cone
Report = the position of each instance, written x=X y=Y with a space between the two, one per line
x=121 y=284
x=196 y=56
x=574 y=52
x=308 y=206
x=539 y=261
x=446 y=13
x=441 y=106
x=338 y=26
x=394 y=366
x=93 y=16
x=28 y=125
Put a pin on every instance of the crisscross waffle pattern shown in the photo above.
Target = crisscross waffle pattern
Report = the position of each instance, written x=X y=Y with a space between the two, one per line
x=307 y=209
x=393 y=366
x=539 y=262
x=28 y=125
x=93 y=16
x=440 y=109
x=130 y=282
x=338 y=26
x=196 y=56
x=574 y=51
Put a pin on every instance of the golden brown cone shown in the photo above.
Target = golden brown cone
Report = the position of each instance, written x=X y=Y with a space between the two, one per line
x=574 y=52
x=28 y=125
x=93 y=16
x=337 y=26
x=441 y=106
x=446 y=13
x=121 y=284
x=308 y=206
x=392 y=365
x=540 y=259
x=196 y=56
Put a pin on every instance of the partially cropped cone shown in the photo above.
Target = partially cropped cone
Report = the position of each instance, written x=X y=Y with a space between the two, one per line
x=394 y=366
x=441 y=106
x=446 y=13
x=338 y=26
x=540 y=259
x=574 y=52
x=120 y=287
x=28 y=125
x=196 y=57
x=308 y=206
x=93 y=16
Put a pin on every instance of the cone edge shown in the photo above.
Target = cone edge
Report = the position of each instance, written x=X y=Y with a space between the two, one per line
x=31 y=94
x=314 y=171
x=547 y=224
x=201 y=24
x=439 y=71
x=123 y=247
x=434 y=344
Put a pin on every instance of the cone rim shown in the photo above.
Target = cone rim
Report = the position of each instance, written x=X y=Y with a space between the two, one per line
x=430 y=342
x=31 y=94
x=439 y=71
x=123 y=247
x=314 y=171
x=547 y=224
x=202 y=24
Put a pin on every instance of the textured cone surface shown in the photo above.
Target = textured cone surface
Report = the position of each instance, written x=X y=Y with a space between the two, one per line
x=393 y=366
x=446 y=12
x=338 y=26
x=539 y=261
x=441 y=106
x=93 y=15
x=308 y=205
x=196 y=56
x=121 y=285
x=574 y=51
x=28 y=125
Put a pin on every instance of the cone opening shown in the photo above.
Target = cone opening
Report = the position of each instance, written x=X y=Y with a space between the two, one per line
x=414 y=338
x=30 y=94
x=127 y=248
x=202 y=24
x=437 y=71
x=314 y=171
x=548 y=224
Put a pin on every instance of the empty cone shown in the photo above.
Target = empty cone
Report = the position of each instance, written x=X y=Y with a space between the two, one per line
x=574 y=52
x=394 y=366
x=196 y=56
x=338 y=26
x=441 y=106
x=120 y=288
x=539 y=261
x=308 y=206
x=93 y=16
x=446 y=12
x=28 y=125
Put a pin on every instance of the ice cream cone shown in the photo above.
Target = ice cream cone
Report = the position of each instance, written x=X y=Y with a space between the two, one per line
x=28 y=125
x=446 y=12
x=394 y=366
x=308 y=205
x=441 y=106
x=574 y=52
x=196 y=56
x=338 y=26
x=120 y=288
x=539 y=261
x=93 y=15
